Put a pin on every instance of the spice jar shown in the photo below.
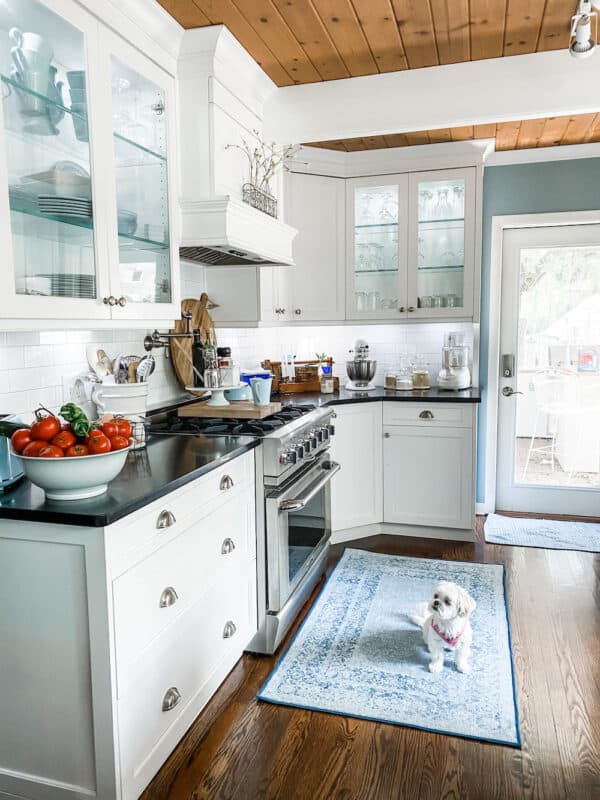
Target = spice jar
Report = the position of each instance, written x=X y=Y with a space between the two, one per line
x=389 y=380
x=326 y=380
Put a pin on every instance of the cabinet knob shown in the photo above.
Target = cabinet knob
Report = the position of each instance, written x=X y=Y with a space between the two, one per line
x=168 y=598
x=228 y=546
x=122 y=301
x=411 y=308
x=226 y=483
x=111 y=300
x=297 y=311
x=229 y=629
x=401 y=309
x=426 y=415
x=165 y=520
x=171 y=698
x=386 y=435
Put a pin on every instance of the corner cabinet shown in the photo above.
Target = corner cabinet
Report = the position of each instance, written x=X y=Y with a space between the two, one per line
x=86 y=172
x=411 y=246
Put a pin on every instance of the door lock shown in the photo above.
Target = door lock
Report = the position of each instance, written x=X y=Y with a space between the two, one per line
x=508 y=391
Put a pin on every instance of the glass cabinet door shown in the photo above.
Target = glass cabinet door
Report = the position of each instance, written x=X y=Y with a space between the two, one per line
x=139 y=123
x=44 y=84
x=441 y=253
x=377 y=248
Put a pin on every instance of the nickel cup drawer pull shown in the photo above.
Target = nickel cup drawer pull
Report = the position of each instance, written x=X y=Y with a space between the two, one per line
x=226 y=483
x=228 y=546
x=168 y=598
x=171 y=698
x=229 y=630
x=165 y=520
x=426 y=415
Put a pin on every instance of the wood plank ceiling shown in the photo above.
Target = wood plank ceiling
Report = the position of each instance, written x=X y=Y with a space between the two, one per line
x=304 y=41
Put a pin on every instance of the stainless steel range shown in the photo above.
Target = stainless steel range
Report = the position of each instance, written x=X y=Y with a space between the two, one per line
x=293 y=505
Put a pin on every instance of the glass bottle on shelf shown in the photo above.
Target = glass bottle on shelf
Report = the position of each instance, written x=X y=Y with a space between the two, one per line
x=139 y=134
x=375 y=247
x=441 y=243
x=44 y=103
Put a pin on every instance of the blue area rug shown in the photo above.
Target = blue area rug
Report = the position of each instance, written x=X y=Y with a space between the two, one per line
x=548 y=533
x=357 y=653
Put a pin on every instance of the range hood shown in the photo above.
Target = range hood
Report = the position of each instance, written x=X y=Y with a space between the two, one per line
x=222 y=92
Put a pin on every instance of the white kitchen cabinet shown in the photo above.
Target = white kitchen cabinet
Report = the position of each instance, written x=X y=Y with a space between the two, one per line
x=87 y=173
x=356 y=491
x=411 y=246
x=118 y=636
x=310 y=291
x=428 y=476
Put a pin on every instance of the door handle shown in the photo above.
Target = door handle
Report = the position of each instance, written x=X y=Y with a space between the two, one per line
x=508 y=391
x=300 y=502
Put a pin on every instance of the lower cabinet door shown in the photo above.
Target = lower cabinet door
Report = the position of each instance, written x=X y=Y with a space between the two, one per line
x=356 y=491
x=428 y=476
x=182 y=670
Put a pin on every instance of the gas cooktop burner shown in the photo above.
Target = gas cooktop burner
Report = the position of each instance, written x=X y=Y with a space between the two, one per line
x=235 y=427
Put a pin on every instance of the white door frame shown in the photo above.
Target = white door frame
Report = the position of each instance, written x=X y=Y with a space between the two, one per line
x=499 y=225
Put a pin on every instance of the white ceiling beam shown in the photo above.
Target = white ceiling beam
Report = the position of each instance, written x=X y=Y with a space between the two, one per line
x=470 y=93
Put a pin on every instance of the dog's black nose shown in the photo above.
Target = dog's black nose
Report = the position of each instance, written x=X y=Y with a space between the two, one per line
x=436 y=603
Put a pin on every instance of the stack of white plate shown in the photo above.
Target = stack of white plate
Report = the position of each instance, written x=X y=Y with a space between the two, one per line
x=65 y=206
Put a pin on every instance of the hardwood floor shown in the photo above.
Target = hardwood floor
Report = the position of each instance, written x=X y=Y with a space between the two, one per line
x=241 y=749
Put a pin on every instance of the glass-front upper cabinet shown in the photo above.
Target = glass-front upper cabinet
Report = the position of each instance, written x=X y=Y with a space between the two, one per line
x=141 y=118
x=377 y=245
x=51 y=238
x=441 y=243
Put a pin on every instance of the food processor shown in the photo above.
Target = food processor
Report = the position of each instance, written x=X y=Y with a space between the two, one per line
x=455 y=373
x=360 y=368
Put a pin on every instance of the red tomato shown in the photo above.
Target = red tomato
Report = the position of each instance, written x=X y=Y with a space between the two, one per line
x=109 y=429
x=98 y=443
x=64 y=439
x=33 y=448
x=124 y=427
x=20 y=439
x=45 y=428
x=76 y=450
x=51 y=451
x=66 y=426
x=118 y=442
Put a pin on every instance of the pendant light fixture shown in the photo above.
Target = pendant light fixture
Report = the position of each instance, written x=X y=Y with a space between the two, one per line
x=583 y=43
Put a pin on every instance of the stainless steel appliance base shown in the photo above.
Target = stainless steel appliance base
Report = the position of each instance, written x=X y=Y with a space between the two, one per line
x=273 y=627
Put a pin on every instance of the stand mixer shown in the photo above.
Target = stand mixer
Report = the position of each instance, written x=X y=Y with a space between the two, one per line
x=361 y=368
x=455 y=373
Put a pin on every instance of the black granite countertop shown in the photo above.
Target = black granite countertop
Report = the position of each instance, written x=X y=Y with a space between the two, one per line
x=433 y=395
x=165 y=464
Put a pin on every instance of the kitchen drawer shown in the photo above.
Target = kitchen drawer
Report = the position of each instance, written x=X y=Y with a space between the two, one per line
x=155 y=592
x=459 y=415
x=193 y=658
x=137 y=535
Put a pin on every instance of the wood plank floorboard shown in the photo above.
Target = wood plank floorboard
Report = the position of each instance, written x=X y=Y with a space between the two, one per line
x=241 y=749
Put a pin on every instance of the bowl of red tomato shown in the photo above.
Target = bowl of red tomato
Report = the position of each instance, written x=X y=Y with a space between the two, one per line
x=72 y=460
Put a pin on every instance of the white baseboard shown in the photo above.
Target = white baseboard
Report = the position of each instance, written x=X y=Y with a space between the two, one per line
x=420 y=531
x=483 y=508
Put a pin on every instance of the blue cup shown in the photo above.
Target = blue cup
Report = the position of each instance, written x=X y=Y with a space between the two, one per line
x=261 y=390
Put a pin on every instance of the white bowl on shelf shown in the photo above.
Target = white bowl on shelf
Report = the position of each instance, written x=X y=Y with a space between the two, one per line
x=74 y=478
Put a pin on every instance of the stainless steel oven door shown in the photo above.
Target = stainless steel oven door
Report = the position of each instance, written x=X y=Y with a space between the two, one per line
x=298 y=518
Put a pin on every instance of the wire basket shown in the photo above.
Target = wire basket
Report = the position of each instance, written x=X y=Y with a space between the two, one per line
x=139 y=430
x=260 y=200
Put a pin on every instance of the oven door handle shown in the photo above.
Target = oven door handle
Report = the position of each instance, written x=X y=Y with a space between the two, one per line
x=300 y=502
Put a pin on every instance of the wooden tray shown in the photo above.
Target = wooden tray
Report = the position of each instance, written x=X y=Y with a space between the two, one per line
x=243 y=409
x=307 y=379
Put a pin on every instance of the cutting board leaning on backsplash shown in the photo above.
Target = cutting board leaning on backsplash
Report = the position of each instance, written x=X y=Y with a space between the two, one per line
x=181 y=349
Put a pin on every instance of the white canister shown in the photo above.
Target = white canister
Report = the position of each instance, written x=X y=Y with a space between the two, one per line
x=121 y=398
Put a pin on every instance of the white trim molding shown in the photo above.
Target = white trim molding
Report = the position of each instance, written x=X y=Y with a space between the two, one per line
x=534 y=155
x=499 y=225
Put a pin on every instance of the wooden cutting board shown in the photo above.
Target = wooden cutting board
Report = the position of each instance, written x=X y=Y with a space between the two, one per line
x=243 y=409
x=181 y=349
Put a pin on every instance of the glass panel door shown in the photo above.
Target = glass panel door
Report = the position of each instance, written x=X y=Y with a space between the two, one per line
x=549 y=410
x=44 y=86
x=440 y=244
x=139 y=116
x=377 y=248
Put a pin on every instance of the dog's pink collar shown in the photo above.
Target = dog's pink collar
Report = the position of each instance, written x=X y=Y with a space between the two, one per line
x=447 y=639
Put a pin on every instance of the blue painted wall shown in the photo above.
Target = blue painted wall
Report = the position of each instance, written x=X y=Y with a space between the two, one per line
x=526 y=189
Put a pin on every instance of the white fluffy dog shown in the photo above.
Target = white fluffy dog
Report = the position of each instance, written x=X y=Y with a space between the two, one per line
x=446 y=626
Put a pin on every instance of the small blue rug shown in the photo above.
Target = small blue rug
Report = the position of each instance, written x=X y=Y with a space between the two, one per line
x=550 y=534
x=358 y=654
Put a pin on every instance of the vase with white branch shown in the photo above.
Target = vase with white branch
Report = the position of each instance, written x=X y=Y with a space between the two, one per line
x=265 y=160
